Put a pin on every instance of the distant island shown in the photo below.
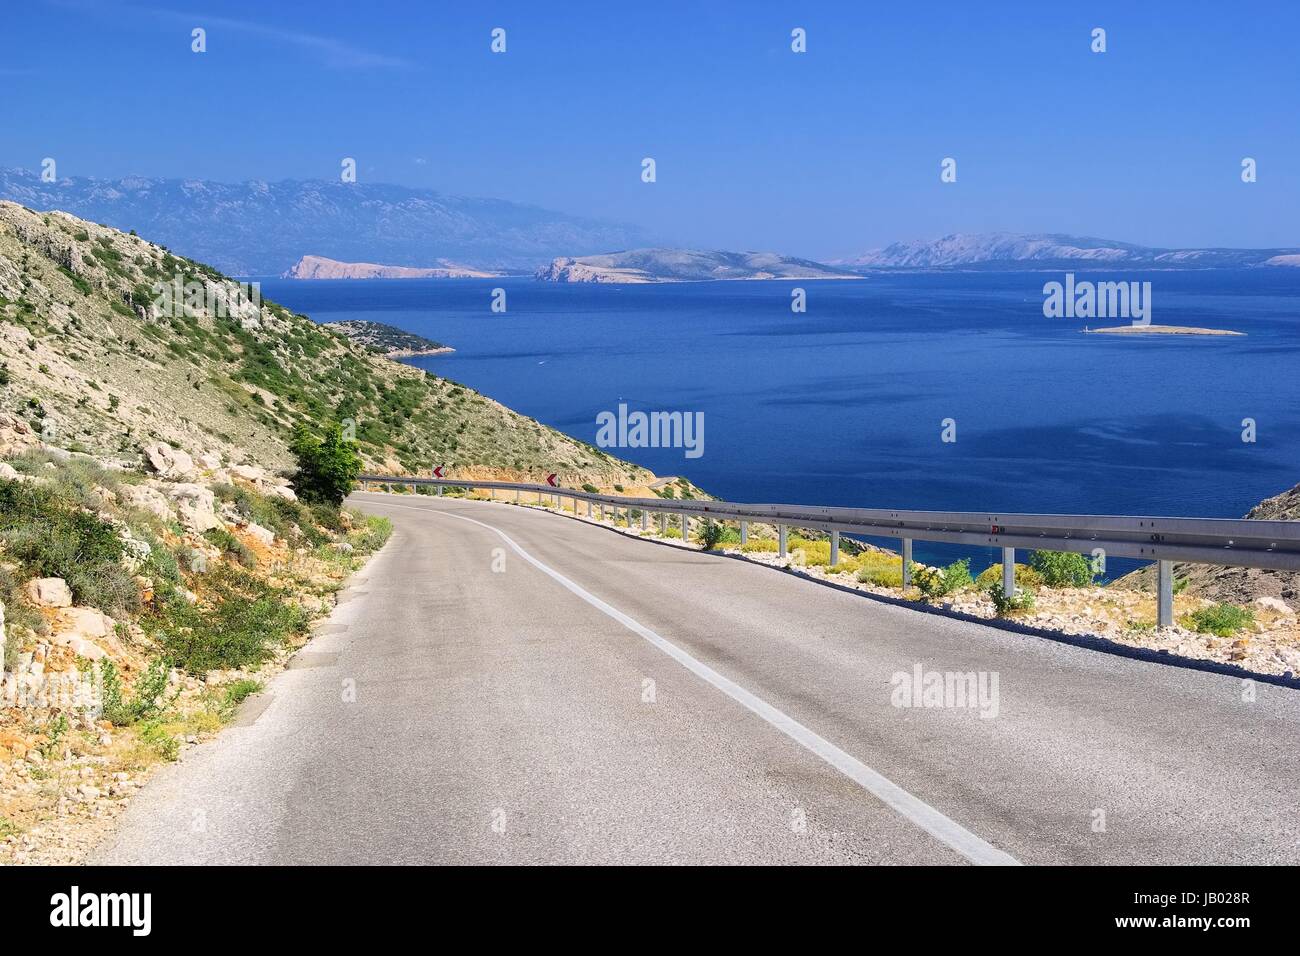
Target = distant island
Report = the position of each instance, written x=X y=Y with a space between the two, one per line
x=319 y=267
x=995 y=251
x=388 y=340
x=1160 y=330
x=685 y=265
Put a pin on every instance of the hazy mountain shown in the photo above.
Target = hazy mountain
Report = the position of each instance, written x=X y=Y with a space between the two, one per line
x=998 y=250
x=258 y=228
x=685 y=265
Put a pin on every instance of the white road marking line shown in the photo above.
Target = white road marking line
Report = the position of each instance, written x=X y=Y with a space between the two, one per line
x=939 y=826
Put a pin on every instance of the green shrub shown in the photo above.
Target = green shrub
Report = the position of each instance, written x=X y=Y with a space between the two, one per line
x=245 y=617
x=709 y=534
x=1022 y=600
x=231 y=546
x=1221 y=619
x=1026 y=577
x=815 y=553
x=149 y=690
x=43 y=530
x=371 y=534
x=760 y=544
x=882 y=570
x=940 y=582
x=327 y=467
x=1062 y=568
x=235 y=693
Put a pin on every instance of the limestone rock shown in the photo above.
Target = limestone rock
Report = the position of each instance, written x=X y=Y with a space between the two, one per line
x=250 y=473
x=148 y=499
x=87 y=622
x=1276 y=605
x=49 y=592
x=195 y=507
x=169 y=462
x=282 y=491
x=264 y=535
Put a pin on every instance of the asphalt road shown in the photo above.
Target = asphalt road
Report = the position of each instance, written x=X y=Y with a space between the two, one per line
x=503 y=685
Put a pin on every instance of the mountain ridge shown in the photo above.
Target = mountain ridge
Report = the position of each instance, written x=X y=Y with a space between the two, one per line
x=995 y=250
x=228 y=225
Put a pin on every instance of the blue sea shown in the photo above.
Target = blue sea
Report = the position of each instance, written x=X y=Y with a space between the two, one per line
x=843 y=404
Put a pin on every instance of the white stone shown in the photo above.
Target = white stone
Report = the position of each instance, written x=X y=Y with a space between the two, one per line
x=250 y=473
x=49 y=592
x=148 y=499
x=195 y=507
x=281 y=491
x=168 y=461
x=1275 y=605
x=264 y=535
x=87 y=622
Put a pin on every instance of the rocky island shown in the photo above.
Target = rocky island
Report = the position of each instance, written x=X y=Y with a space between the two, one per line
x=685 y=265
x=319 y=267
x=1160 y=330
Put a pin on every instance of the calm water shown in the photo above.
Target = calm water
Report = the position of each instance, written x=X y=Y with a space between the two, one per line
x=842 y=405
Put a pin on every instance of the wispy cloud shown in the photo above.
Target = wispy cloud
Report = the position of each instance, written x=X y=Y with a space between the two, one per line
x=331 y=51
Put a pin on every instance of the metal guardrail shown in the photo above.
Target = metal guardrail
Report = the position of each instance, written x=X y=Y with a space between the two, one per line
x=1235 y=542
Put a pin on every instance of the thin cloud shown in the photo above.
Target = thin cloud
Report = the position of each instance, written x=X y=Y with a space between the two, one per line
x=332 y=52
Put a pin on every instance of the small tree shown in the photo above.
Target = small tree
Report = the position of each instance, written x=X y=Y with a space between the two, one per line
x=327 y=467
x=710 y=534
x=1062 y=568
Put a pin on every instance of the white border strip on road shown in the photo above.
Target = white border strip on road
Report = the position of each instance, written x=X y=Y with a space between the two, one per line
x=939 y=826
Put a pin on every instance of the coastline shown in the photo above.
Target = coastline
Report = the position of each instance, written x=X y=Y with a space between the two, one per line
x=416 y=353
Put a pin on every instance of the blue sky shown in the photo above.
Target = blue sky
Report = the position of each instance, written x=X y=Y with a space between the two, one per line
x=825 y=153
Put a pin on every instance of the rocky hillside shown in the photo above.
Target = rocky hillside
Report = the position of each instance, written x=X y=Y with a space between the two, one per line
x=95 y=359
x=684 y=265
x=1235 y=585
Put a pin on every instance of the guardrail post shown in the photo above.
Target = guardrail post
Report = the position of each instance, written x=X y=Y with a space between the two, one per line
x=440 y=491
x=645 y=519
x=744 y=532
x=1008 y=572
x=781 y=540
x=1164 y=594
x=835 y=548
x=588 y=509
x=600 y=511
x=516 y=496
x=686 y=528
x=907 y=563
